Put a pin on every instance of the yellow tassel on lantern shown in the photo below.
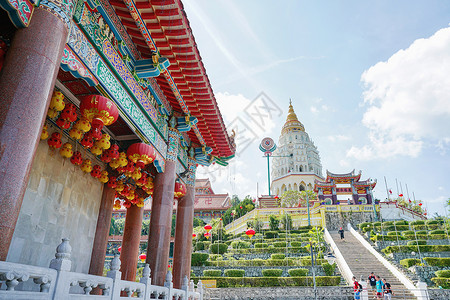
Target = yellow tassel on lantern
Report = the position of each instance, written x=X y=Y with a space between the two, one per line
x=82 y=125
x=104 y=177
x=57 y=102
x=44 y=133
x=114 y=164
x=75 y=134
x=52 y=113
x=96 y=150
x=86 y=166
x=66 y=150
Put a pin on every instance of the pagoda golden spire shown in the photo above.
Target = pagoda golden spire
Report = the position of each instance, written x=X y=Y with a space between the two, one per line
x=292 y=122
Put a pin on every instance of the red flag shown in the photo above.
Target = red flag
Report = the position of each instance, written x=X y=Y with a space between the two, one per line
x=390 y=191
x=409 y=200
x=400 y=195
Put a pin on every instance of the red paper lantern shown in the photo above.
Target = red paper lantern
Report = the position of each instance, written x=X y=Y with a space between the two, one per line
x=141 y=154
x=420 y=204
x=194 y=235
x=207 y=235
x=127 y=204
x=400 y=195
x=240 y=207
x=207 y=227
x=142 y=257
x=250 y=233
x=99 y=111
x=69 y=113
x=112 y=183
x=76 y=158
x=112 y=152
x=63 y=123
x=54 y=141
x=87 y=141
x=180 y=189
x=119 y=249
x=96 y=171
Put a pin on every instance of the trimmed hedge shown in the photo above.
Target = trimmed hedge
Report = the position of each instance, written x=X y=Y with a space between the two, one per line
x=442 y=282
x=212 y=273
x=214 y=257
x=261 y=245
x=278 y=256
x=438 y=261
x=298 y=272
x=443 y=273
x=218 y=248
x=199 y=259
x=234 y=273
x=269 y=250
x=257 y=262
x=409 y=262
x=329 y=269
x=240 y=245
x=410 y=248
x=225 y=282
x=199 y=246
x=280 y=244
x=408 y=232
x=270 y=234
x=296 y=244
x=417 y=222
x=418 y=242
x=402 y=222
x=437 y=232
x=387 y=238
x=272 y=272
x=393 y=233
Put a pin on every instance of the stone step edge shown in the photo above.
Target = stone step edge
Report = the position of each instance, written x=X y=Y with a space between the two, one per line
x=396 y=272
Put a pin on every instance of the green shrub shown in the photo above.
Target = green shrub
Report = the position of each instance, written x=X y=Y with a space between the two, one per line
x=278 y=256
x=442 y=282
x=420 y=232
x=272 y=272
x=257 y=262
x=438 y=236
x=240 y=245
x=409 y=262
x=408 y=232
x=402 y=222
x=199 y=259
x=329 y=269
x=419 y=227
x=218 y=248
x=387 y=238
x=410 y=248
x=212 y=273
x=437 y=261
x=215 y=257
x=199 y=246
x=416 y=236
x=443 y=273
x=418 y=242
x=296 y=244
x=364 y=225
x=394 y=233
x=270 y=234
x=280 y=244
x=376 y=224
x=227 y=282
x=401 y=227
x=282 y=235
x=298 y=272
x=437 y=232
x=261 y=245
x=234 y=273
x=307 y=262
x=417 y=222
x=432 y=222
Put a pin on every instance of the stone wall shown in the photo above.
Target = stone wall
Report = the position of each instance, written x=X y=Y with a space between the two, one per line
x=426 y=273
x=282 y=293
x=60 y=201
x=438 y=294
x=257 y=271
x=334 y=220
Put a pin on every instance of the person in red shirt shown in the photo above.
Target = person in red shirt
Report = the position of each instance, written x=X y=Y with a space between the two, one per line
x=356 y=288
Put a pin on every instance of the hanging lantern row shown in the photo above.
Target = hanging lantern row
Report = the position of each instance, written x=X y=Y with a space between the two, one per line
x=180 y=189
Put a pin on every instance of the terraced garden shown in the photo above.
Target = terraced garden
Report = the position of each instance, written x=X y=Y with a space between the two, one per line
x=268 y=259
x=421 y=248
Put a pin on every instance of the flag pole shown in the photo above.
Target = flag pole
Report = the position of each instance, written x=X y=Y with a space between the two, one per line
x=387 y=192
x=396 y=183
x=407 y=192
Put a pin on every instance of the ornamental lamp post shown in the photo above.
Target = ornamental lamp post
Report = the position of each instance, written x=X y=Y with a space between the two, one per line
x=313 y=269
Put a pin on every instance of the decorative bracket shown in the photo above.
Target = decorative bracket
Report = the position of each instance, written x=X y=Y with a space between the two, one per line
x=185 y=123
x=146 y=68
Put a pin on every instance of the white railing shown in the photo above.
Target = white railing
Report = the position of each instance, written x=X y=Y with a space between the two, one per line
x=19 y=281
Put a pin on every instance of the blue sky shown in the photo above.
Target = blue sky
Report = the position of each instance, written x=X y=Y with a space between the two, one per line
x=368 y=79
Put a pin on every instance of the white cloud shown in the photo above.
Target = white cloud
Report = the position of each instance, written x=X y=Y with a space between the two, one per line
x=339 y=137
x=407 y=100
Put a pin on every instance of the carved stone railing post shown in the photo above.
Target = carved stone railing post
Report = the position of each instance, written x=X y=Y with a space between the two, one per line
x=116 y=276
x=185 y=287
x=13 y=278
x=147 y=280
x=169 y=284
x=200 y=289
x=62 y=264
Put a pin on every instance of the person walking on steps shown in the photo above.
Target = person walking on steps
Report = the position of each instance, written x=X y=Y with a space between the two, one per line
x=387 y=290
x=341 y=232
x=379 y=286
x=357 y=288
x=373 y=282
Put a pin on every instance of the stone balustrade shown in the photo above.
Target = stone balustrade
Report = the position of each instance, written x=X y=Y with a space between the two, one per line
x=18 y=281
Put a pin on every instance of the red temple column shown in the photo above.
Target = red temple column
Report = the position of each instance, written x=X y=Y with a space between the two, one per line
x=26 y=84
x=183 y=231
x=102 y=232
x=161 y=217
x=130 y=242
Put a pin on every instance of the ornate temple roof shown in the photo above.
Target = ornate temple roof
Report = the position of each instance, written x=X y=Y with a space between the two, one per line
x=162 y=26
x=292 y=122
x=212 y=202
x=341 y=178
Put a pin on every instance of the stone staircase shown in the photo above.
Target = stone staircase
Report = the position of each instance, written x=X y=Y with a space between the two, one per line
x=361 y=262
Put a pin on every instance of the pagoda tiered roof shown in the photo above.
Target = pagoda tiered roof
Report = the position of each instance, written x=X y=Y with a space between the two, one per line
x=162 y=26
x=365 y=183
